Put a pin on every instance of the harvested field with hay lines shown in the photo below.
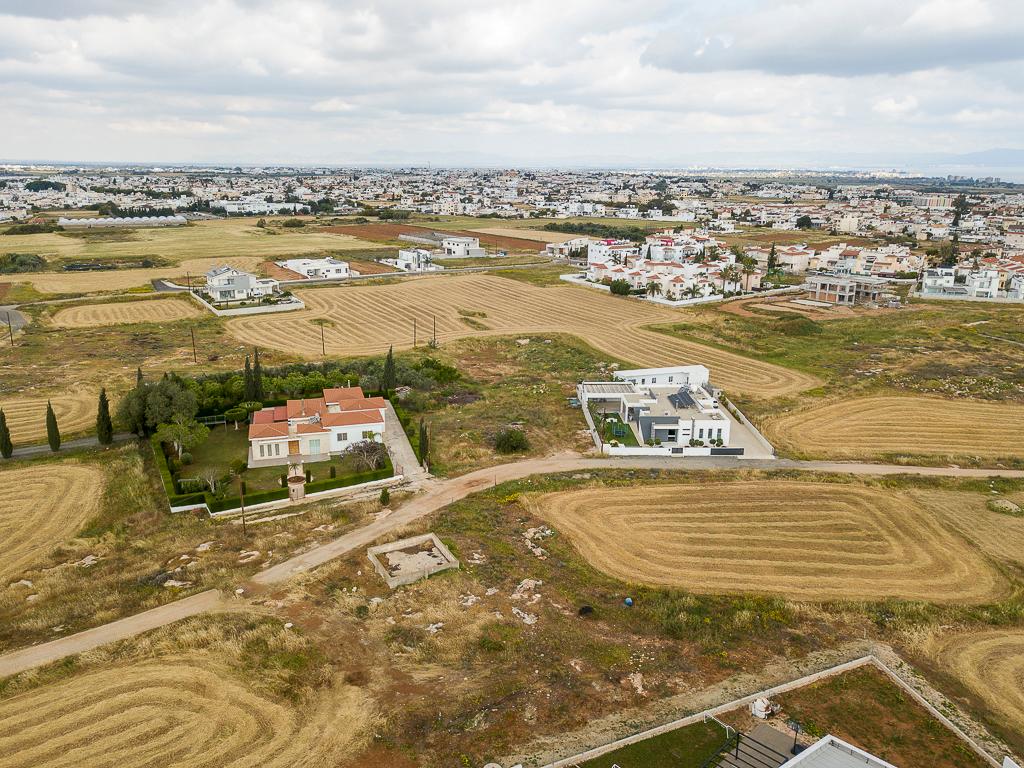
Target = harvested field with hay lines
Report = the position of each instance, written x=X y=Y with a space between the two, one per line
x=805 y=541
x=43 y=506
x=865 y=427
x=991 y=665
x=366 y=320
x=174 y=711
x=26 y=416
x=998 y=535
x=125 y=312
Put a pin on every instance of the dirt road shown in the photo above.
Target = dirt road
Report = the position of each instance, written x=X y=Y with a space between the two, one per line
x=437 y=494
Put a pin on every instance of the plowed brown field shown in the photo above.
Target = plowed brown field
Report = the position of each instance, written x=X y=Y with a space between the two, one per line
x=863 y=427
x=366 y=320
x=174 y=711
x=26 y=416
x=808 y=541
x=117 y=313
x=40 y=507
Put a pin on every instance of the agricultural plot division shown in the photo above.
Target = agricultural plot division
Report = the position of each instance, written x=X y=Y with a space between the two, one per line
x=868 y=426
x=43 y=505
x=26 y=415
x=807 y=541
x=117 y=313
x=364 y=320
x=174 y=711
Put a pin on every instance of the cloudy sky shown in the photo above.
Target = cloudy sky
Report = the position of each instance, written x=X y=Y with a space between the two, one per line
x=508 y=82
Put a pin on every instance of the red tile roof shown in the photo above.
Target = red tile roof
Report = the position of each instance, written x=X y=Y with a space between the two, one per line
x=268 y=430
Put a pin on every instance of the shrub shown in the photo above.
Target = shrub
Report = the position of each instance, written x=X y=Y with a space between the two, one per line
x=385 y=497
x=511 y=440
x=620 y=287
x=333 y=472
x=186 y=458
x=294 y=223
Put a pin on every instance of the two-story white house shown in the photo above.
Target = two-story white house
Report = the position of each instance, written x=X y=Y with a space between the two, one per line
x=226 y=283
x=314 y=429
x=459 y=247
x=414 y=260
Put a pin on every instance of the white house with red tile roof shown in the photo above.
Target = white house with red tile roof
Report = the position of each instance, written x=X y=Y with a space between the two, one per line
x=314 y=429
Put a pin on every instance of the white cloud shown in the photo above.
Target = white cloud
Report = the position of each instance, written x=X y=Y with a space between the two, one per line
x=343 y=80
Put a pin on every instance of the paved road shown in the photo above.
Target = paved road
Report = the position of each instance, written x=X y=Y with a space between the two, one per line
x=403 y=458
x=29 y=451
x=17 y=319
x=437 y=494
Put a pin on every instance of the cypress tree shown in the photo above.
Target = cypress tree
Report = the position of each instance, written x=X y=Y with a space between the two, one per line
x=52 y=431
x=387 y=381
x=6 y=446
x=138 y=377
x=257 y=376
x=772 y=261
x=249 y=388
x=104 y=426
x=424 y=441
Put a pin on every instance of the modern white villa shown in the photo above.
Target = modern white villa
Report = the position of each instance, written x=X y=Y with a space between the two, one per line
x=226 y=283
x=661 y=411
x=460 y=247
x=414 y=260
x=314 y=429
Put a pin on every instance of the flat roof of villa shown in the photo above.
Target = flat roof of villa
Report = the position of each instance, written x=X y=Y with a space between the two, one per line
x=607 y=388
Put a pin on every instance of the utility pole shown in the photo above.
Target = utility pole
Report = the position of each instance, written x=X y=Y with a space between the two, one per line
x=241 y=499
x=323 y=344
x=188 y=279
x=10 y=328
x=195 y=357
x=414 y=333
x=434 y=319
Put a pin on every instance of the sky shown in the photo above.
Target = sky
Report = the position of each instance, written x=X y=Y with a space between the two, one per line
x=529 y=82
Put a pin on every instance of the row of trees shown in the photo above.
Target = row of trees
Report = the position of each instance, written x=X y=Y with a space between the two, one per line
x=104 y=427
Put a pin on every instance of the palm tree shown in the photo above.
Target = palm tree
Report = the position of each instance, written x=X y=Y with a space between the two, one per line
x=729 y=274
x=749 y=268
x=653 y=288
x=694 y=291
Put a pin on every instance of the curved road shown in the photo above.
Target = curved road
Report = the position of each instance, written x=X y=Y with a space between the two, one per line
x=437 y=494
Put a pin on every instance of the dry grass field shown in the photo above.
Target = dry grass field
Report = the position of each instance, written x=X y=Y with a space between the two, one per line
x=121 y=279
x=174 y=711
x=26 y=415
x=998 y=535
x=165 y=310
x=991 y=665
x=870 y=426
x=43 y=505
x=215 y=239
x=364 y=320
x=540 y=235
x=807 y=541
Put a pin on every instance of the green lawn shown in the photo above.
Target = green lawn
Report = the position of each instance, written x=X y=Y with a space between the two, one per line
x=226 y=446
x=687 y=747
x=627 y=436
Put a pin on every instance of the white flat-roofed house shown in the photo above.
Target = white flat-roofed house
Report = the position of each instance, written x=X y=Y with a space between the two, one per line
x=314 y=429
x=317 y=269
x=416 y=260
x=459 y=247
x=230 y=284
x=982 y=283
x=615 y=251
x=669 y=409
